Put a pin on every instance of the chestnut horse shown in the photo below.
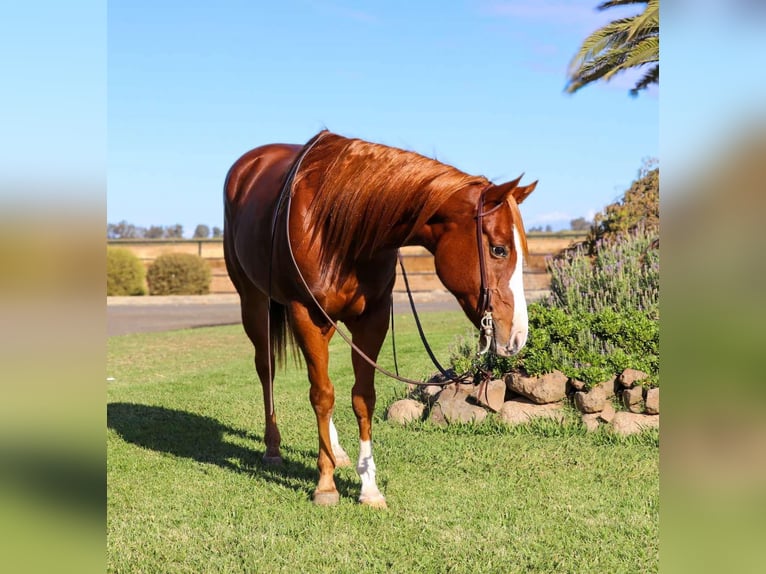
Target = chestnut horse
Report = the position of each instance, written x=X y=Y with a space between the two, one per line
x=339 y=209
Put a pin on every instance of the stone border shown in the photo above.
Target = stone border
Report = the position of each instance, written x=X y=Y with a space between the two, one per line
x=518 y=398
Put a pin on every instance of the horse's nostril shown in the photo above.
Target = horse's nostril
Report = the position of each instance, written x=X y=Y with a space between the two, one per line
x=517 y=342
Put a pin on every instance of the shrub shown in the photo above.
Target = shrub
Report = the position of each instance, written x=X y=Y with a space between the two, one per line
x=591 y=347
x=601 y=318
x=125 y=273
x=178 y=274
x=640 y=205
x=623 y=274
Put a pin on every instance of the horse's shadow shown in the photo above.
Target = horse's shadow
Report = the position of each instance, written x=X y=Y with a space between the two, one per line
x=203 y=439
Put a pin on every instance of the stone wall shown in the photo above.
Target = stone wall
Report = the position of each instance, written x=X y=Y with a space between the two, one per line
x=418 y=262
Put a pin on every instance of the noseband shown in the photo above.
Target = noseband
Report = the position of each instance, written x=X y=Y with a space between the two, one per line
x=484 y=304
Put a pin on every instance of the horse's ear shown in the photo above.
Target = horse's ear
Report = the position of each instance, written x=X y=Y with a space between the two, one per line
x=520 y=193
x=500 y=193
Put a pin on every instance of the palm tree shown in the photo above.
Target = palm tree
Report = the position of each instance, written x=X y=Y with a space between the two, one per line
x=623 y=44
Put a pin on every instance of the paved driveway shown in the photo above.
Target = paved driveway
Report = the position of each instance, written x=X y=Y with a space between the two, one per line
x=125 y=315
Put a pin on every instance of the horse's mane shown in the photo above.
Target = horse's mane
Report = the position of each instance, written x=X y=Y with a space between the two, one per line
x=364 y=190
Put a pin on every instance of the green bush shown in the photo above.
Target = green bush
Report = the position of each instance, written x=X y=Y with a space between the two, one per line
x=591 y=347
x=599 y=346
x=178 y=274
x=125 y=273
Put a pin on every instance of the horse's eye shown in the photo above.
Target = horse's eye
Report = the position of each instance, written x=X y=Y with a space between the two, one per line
x=499 y=251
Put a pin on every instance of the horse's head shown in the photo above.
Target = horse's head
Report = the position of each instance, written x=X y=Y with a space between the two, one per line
x=487 y=220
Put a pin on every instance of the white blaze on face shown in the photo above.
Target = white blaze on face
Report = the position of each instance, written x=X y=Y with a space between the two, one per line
x=520 y=326
x=366 y=470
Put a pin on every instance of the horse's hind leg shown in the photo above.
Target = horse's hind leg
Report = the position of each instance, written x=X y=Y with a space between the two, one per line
x=255 y=319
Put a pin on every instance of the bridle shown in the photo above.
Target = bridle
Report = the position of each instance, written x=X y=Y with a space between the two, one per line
x=484 y=304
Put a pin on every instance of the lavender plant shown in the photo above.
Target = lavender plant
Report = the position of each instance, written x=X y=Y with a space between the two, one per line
x=623 y=275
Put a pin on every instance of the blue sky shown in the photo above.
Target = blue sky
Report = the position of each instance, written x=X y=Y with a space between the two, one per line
x=479 y=85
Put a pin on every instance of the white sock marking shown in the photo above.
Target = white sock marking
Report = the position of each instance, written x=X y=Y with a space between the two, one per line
x=520 y=327
x=366 y=469
x=335 y=443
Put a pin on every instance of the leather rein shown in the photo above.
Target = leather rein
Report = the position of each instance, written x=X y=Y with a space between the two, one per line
x=484 y=304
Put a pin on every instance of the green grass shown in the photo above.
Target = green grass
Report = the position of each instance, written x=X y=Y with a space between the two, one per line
x=187 y=491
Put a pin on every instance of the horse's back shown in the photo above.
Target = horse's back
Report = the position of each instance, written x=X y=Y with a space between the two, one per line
x=250 y=193
x=258 y=171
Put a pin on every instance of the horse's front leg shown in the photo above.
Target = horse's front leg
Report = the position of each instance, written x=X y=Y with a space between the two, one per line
x=369 y=332
x=314 y=340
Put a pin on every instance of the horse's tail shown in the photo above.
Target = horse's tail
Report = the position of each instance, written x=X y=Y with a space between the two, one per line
x=280 y=334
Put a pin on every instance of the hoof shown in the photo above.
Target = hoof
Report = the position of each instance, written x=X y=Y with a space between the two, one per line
x=342 y=460
x=374 y=501
x=326 y=498
x=272 y=460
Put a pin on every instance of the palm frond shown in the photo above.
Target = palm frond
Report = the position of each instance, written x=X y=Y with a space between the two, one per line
x=625 y=43
x=647 y=22
x=613 y=3
x=651 y=77
x=603 y=39
x=645 y=51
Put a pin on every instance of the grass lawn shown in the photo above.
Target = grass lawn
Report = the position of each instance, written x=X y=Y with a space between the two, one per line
x=187 y=491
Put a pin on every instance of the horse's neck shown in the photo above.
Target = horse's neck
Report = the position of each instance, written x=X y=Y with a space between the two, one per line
x=427 y=236
x=451 y=212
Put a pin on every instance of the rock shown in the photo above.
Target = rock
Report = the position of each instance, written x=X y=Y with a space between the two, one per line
x=549 y=388
x=608 y=413
x=629 y=377
x=452 y=407
x=520 y=411
x=577 y=385
x=590 y=421
x=609 y=387
x=653 y=402
x=466 y=388
x=632 y=398
x=405 y=410
x=630 y=423
x=490 y=395
x=590 y=402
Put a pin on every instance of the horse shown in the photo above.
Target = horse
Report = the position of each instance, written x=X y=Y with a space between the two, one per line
x=311 y=236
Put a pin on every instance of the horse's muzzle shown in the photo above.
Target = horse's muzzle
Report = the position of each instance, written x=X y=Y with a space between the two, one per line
x=516 y=342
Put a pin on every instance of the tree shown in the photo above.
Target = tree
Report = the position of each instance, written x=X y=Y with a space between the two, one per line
x=623 y=44
x=202 y=231
x=154 y=232
x=579 y=224
x=174 y=231
x=123 y=230
x=217 y=232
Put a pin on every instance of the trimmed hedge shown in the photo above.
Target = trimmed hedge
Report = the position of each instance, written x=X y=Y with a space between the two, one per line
x=125 y=274
x=178 y=274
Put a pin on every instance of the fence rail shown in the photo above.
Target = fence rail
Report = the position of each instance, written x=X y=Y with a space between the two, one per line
x=417 y=260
